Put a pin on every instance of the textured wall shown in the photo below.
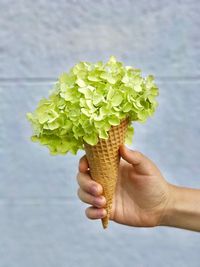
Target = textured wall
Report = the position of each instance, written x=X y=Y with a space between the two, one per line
x=42 y=222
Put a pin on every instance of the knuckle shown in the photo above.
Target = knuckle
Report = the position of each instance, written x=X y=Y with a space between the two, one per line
x=99 y=213
x=84 y=197
x=93 y=214
x=138 y=153
x=81 y=159
x=94 y=202
x=89 y=199
x=139 y=156
x=98 y=202
x=90 y=213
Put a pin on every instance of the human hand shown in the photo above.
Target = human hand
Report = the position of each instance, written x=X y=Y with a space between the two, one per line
x=141 y=195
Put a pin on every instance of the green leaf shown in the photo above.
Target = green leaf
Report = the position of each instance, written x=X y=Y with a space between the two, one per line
x=97 y=117
x=86 y=112
x=109 y=77
x=149 y=82
x=78 y=131
x=102 y=125
x=53 y=125
x=63 y=87
x=43 y=118
x=114 y=121
x=154 y=91
x=82 y=102
x=142 y=115
x=86 y=91
x=110 y=94
x=112 y=60
x=94 y=76
x=80 y=82
x=63 y=78
x=66 y=79
x=34 y=138
x=67 y=95
x=103 y=134
x=116 y=99
x=91 y=139
x=129 y=135
x=90 y=105
x=61 y=103
x=97 y=98
x=125 y=79
x=104 y=111
x=30 y=116
x=127 y=107
x=137 y=87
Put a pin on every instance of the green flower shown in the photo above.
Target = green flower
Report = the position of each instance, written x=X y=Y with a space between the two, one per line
x=85 y=102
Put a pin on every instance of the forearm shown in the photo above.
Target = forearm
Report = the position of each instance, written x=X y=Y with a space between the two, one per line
x=183 y=210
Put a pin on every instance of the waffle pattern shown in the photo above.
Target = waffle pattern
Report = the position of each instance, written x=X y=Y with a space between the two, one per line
x=103 y=159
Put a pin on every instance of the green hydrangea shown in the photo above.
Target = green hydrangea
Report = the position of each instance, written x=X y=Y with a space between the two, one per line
x=87 y=101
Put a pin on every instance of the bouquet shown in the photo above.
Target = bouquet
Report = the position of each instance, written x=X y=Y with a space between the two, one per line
x=92 y=108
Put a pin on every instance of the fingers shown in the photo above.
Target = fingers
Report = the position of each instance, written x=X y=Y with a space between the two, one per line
x=83 y=164
x=94 y=213
x=90 y=192
x=140 y=162
x=132 y=157
x=88 y=185
x=84 y=179
x=98 y=201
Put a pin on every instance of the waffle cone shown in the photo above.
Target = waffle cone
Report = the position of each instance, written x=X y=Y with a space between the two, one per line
x=103 y=159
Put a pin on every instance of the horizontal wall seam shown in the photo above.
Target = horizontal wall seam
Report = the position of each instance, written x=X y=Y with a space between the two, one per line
x=53 y=80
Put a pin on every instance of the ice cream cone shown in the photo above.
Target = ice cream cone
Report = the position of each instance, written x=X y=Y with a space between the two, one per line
x=103 y=159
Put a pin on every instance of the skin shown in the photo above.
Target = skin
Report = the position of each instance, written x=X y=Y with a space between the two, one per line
x=143 y=198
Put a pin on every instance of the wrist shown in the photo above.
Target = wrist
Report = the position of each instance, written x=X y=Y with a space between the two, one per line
x=171 y=206
x=182 y=209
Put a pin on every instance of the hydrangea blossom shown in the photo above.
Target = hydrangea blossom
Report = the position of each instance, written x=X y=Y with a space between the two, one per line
x=87 y=101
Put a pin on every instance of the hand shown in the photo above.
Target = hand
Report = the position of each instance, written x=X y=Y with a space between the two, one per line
x=141 y=195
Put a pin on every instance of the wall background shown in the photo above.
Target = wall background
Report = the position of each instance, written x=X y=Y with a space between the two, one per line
x=42 y=222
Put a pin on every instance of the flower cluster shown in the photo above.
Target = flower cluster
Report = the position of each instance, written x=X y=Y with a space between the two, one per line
x=87 y=101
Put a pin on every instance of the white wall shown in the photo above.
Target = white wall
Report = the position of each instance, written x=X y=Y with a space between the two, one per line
x=42 y=222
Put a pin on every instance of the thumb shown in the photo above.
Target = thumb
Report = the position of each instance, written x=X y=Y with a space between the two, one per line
x=132 y=157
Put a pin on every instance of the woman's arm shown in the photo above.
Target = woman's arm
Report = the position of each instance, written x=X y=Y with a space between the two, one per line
x=183 y=209
x=143 y=198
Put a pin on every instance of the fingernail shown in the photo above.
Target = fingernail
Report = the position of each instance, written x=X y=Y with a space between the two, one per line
x=102 y=213
x=99 y=201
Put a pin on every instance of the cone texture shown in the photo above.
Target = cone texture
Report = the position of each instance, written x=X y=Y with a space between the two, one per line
x=103 y=159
